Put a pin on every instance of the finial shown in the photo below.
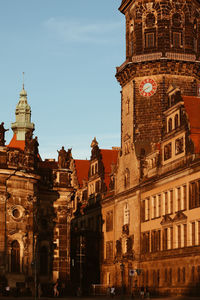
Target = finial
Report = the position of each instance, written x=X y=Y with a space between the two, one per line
x=23 y=80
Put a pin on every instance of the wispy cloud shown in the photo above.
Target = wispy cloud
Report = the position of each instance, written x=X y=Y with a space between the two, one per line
x=82 y=32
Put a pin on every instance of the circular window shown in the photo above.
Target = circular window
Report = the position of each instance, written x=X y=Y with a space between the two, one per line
x=16 y=213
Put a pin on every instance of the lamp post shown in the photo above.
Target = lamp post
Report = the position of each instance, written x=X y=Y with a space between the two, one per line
x=122 y=278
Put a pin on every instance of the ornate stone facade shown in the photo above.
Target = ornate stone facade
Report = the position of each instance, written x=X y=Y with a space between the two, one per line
x=153 y=214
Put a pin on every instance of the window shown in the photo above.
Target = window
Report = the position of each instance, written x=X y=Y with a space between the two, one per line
x=165 y=239
x=15 y=257
x=194 y=195
x=178 y=199
x=166 y=202
x=109 y=221
x=177 y=39
x=109 y=250
x=176 y=121
x=153 y=207
x=43 y=260
x=145 y=242
x=171 y=201
x=185 y=235
x=193 y=233
x=179 y=146
x=147 y=209
x=155 y=240
x=183 y=274
x=170 y=124
x=159 y=205
x=179 y=235
x=149 y=40
x=167 y=151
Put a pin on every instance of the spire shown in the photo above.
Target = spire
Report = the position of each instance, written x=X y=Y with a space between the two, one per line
x=23 y=116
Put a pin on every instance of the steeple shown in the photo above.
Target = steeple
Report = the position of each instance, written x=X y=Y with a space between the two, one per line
x=23 y=117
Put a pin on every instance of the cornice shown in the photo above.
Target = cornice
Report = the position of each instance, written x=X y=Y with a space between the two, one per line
x=158 y=67
x=124 y=5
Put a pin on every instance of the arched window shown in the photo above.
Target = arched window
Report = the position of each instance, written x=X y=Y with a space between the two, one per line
x=176 y=121
x=15 y=257
x=170 y=124
x=127 y=178
x=43 y=260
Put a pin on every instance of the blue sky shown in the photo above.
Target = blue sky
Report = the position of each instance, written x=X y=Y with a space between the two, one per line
x=69 y=50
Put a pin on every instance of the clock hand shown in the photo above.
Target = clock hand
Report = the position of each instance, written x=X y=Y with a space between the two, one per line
x=147 y=88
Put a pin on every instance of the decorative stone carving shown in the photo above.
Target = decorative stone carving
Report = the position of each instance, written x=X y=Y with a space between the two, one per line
x=64 y=158
x=125 y=229
x=2 y=134
x=118 y=247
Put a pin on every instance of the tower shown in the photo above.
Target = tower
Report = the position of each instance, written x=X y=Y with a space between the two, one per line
x=23 y=117
x=162 y=53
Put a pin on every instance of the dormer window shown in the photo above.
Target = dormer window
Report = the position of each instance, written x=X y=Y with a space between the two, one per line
x=170 y=124
x=176 y=123
x=94 y=168
x=179 y=144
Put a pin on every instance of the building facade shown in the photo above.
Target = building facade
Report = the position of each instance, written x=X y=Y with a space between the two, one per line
x=35 y=210
x=154 y=237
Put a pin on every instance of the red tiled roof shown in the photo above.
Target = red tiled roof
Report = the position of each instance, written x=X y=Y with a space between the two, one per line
x=192 y=107
x=14 y=143
x=109 y=157
x=82 y=168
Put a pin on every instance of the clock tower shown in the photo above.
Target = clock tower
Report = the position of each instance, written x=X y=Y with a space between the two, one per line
x=162 y=61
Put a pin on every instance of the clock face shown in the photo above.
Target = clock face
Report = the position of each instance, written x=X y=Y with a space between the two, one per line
x=148 y=87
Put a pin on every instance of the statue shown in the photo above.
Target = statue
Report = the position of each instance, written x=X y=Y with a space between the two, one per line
x=64 y=158
x=2 y=134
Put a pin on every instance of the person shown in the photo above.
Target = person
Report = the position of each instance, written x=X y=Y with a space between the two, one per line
x=147 y=294
x=112 y=291
x=55 y=289
x=7 y=288
x=142 y=292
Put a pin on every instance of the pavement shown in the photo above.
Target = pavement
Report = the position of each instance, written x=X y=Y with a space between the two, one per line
x=99 y=298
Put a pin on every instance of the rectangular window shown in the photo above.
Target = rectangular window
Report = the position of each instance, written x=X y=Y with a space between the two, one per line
x=193 y=233
x=165 y=239
x=153 y=207
x=147 y=209
x=184 y=197
x=179 y=236
x=149 y=40
x=167 y=151
x=185 y=234
x=178 y=199
x=171 y=201
x=143 y=210
x=166 y=202
x=179 y=146
x=183 y=274
x=159 y=205
x=177 y=39
x=109 y=250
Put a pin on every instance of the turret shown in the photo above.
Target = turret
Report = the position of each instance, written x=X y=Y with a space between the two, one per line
x=23 y=117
